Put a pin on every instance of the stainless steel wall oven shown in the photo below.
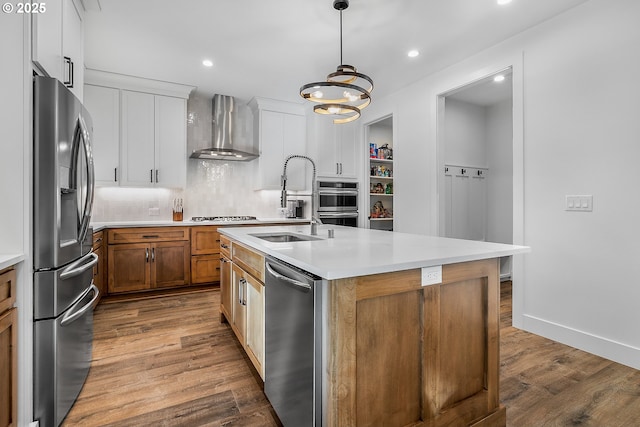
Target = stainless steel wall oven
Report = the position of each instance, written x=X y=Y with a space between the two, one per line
x=338 y=203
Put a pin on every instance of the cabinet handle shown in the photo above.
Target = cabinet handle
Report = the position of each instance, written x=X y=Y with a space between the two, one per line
x=153 y=254
x=69 y=82
x=223 y=246
x=99 y=240
x=146 y=251
x=156 y=175
x=340 y=168
x=337 y=168
x=240 y=291
x=151 y=175
x=150 y=236
x=115 y=174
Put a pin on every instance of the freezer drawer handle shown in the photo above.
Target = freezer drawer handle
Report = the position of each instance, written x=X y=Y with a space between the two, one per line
x=285 y=278
x=72 y=314
x=78 y=267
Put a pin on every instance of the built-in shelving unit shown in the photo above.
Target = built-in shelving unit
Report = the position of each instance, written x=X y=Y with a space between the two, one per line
x=381 y=174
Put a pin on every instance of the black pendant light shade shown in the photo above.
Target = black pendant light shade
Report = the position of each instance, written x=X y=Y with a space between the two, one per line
x=345 y=92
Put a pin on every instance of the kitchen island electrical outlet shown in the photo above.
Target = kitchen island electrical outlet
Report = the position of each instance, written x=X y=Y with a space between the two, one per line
x=154 y=211
x=431 y=275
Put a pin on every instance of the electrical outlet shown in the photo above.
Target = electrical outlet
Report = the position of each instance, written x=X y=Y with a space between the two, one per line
x=431 y=275
x=579 y=203
x=154 y=211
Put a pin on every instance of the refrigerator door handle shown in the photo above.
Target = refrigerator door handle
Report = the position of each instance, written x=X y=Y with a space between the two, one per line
x=78 y=267
x=72 y=314
x=88 y=204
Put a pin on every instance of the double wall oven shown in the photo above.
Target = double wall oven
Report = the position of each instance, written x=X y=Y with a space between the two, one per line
x=338 y=203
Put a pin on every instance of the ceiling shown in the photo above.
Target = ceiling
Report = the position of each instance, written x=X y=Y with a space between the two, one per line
x=270 y=48
x=485 y=92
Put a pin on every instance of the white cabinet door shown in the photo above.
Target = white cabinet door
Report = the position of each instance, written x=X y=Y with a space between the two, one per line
x=137 y=138
x=336 y=148
x=271 y=149
x=46 y=39
x=280 y=135
x=294 y=142
x=348 y=150
x=171 y=137
x=73 y=46
x=103 y=103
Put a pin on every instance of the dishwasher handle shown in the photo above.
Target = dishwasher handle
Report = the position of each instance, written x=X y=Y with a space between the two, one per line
x=285 y=278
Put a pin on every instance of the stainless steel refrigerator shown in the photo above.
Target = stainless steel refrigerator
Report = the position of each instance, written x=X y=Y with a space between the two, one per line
x=64 y=293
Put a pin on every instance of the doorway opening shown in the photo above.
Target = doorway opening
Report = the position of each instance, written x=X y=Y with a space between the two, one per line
x=475 y=139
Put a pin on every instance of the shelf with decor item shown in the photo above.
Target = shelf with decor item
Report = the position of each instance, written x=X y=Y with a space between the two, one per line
x=381 y=175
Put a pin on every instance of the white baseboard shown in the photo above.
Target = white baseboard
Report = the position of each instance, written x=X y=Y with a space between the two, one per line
x=603 y=347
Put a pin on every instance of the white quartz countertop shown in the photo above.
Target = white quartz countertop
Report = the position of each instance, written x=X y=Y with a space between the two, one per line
x=97 y=226
x=7 y=260
x=360 y=252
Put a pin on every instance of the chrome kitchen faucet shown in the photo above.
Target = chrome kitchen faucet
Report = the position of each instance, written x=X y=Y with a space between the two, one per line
x=315 y=220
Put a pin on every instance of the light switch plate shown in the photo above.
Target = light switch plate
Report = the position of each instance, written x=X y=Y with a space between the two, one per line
x=579 y=203
x=431 y=275
x=154 y=211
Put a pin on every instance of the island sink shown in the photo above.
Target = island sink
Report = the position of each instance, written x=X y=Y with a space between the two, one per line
x=284 y=237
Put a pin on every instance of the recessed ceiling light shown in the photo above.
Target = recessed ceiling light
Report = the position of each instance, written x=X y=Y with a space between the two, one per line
x=207 y=63
x=413 y=53
x=498 y=78
x=504 y=1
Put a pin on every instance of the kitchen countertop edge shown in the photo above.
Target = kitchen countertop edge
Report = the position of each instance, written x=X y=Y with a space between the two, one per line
x=7 y=260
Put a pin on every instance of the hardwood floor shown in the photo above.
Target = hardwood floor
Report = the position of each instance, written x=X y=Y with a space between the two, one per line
x=170 y=362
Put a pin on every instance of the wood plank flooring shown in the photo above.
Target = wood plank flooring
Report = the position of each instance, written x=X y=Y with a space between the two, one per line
x=170 y=362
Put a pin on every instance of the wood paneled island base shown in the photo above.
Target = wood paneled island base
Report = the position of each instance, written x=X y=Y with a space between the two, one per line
x=406 y=355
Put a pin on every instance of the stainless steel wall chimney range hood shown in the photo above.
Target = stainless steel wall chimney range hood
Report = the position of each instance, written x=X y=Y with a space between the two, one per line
x=222 y=134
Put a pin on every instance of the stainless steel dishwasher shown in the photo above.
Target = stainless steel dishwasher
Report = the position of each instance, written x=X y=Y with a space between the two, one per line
x=294 y=343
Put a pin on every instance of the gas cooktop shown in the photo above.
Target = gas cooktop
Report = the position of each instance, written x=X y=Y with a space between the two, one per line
x=223 y=218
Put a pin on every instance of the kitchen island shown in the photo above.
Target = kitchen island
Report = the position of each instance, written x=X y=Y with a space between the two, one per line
x=412 y=323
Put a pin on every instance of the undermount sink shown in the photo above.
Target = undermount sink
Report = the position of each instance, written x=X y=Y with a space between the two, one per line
x=284 y=237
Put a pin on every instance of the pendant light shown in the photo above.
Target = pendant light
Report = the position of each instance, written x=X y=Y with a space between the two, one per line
x=345 y=92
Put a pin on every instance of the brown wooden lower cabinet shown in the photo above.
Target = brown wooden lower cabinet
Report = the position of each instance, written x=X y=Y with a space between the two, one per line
x=8 y=368
x=414 y=355
x=144 y=266
x=205 y=268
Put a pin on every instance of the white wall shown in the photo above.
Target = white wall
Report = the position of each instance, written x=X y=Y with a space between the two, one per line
x=576 y=92
x=15 y=190
x=465 y=130
x=499 y=145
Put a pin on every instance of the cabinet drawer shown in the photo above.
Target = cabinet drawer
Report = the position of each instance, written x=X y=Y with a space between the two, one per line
x=249 y=260
x=147 y=234
x=225 y=246
x=7 y=289
x=205 y=268
x=205 y=240
x=98 y=239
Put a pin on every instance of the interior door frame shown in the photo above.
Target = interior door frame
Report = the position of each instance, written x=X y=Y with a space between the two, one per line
x=458 y=80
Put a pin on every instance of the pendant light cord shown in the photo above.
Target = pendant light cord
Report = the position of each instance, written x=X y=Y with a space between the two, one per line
x=341 y=38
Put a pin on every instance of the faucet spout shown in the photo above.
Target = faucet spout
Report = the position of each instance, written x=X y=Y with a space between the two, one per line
x=315 y=220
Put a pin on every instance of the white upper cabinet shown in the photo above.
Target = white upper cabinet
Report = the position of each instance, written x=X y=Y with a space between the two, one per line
x=103 y=103
x=171 y=141
x=280 y=128
x=138 y=139
x=153 y=136
x=140 y=130
x=336 y=148
x=57 y=46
